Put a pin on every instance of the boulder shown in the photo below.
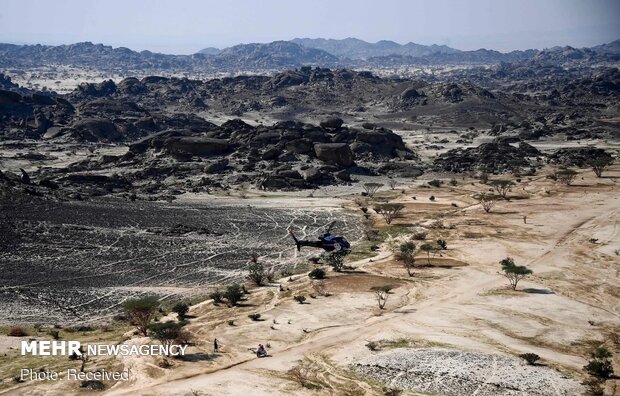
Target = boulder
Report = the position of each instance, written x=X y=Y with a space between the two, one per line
x=96 y=129
x=332 y=123
x=299 y=146
x=334 y=153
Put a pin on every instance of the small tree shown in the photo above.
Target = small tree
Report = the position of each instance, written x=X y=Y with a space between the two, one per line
x=428 y=249
x=502 y=187
x=233 y=294
x=407 y=254
x=336 y=259
x=300 y=299
x=514 y=272
x=372 y=188
x=256 y=271
x=392 y=183
x=566 y=176
x=382 y=293
x=141 y=311
x=599 y=164
x=486 y=201
x=217 y=296
x=389 y=211
x=166 y=332
x=181 y=310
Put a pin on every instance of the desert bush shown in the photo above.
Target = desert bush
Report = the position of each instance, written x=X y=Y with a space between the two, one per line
x=435 y=183
x=419 y=235
x=371 y=188
x=317 y=273
x=55 y=334
x=566 y=176
x=443 y=245
x=336 y=259
x=486 y=201
x=392 y=183
x=372 y=345
x=453 y=182
x=432 y=198
x=300 y=299
x=233 y=294
x=17 y=332
x=256 y=271
x=530 y=358
x=181 y=309
x=599 y=368
x=514 y=273
x=141 y=311
x=502 y=187
x=381 y=294
x=254 y=316
x=217 y=296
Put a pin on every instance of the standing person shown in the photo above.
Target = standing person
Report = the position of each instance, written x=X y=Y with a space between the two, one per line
x=524 y=219
x=216 y=347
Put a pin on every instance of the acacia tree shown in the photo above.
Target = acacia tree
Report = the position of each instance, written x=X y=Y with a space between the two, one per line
x=372 y=188
x=407 y=254
x=566 y=176
x=389 y=211
x=428 y=248
x=166 y=332
x=502 y=187
x=381 y=294
x=514 y=272
x=141 y=311
x=599 y=164
x=486 y=201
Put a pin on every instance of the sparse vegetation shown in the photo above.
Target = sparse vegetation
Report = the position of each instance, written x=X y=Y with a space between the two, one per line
x=392 y=183
x=428 y=249
x=600 y=365
x=514 y=273
x=443 y=245
x=300 y=299
x=256 y=271
x=141 y=311
x=217 y=296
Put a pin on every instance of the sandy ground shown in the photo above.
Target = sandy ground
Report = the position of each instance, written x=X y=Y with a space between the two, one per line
x=570 y=304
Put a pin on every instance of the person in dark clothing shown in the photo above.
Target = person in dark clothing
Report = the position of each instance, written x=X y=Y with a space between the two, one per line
x=216 y=347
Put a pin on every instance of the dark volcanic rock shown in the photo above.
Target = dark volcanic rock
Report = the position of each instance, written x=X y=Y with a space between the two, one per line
x=199 y=146
x=332 y=123
x=334 y=154
x=96 y=129
x=578 y=156
x=491 y=157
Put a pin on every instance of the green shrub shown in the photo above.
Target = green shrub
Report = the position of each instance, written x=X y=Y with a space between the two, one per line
x=317 y=273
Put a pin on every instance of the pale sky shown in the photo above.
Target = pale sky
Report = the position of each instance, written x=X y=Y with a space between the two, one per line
x=186 y=26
